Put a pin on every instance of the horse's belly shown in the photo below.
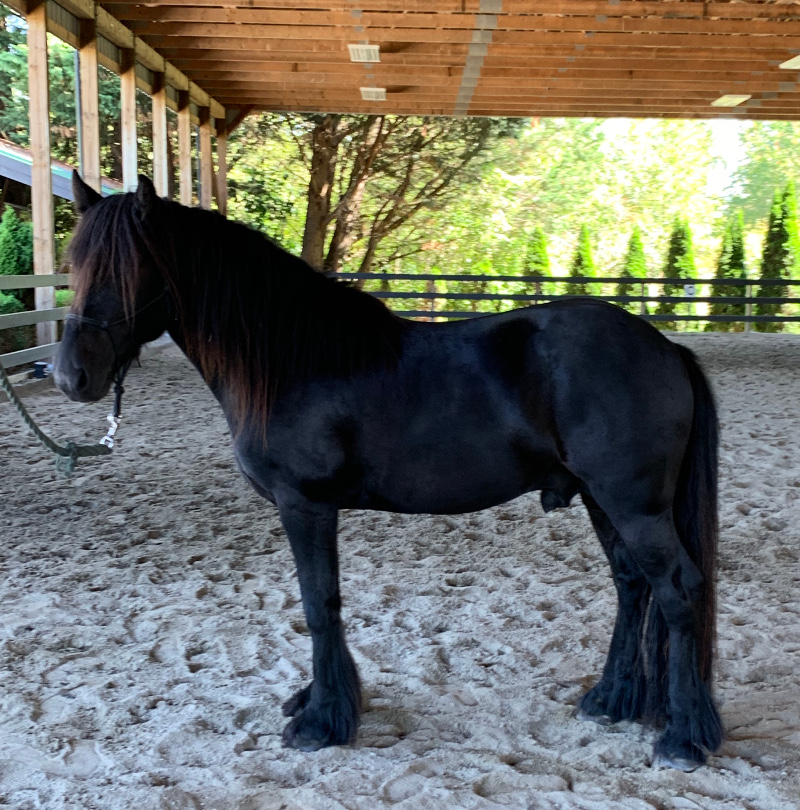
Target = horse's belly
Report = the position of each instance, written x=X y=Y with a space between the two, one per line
x=452 y=480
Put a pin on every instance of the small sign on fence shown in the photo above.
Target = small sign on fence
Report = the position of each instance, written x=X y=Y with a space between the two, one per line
x=689 y=290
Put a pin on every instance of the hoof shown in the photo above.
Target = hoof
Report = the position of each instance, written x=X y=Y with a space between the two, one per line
x=607 y=703
x=677 y=763
x=600 y=719
x=297 y=702
x=304 y=739
x=313 y=729
x=679 y=755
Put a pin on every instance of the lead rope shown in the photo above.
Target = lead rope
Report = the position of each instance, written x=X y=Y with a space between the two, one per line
x=68 y=455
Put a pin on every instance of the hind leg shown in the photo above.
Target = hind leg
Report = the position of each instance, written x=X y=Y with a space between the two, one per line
x=693 y=725
x=620 y=693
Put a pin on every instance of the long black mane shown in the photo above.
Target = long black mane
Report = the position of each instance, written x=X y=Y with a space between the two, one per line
x=251 y=315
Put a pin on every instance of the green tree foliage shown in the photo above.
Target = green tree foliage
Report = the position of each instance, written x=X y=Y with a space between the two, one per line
x=9 y=304
x=16 y=244
x=16 y=254
x=537 y=262
x=582 y=263
x=679 y=263
x=781 y=256
x=730 y=264
x=63 y=131
x=266 y=181
x=64 y=297
x=363 y=178
x=16 y=258
x=634 y=266
x=19 y=337
x=771 y=159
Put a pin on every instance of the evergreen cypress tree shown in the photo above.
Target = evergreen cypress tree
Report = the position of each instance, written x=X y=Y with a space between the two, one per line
x=679 y=264
x=730 y=264
x=583 y=263
x=16 y=246
x=792 y=230
x=635 y=266
x=537 y=262
x=781 y=256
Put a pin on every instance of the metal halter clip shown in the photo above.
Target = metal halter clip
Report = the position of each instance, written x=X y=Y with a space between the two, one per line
x=108 y=439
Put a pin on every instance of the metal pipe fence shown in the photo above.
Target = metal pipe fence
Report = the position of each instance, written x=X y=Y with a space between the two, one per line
x=433 y=304
x=443 y=304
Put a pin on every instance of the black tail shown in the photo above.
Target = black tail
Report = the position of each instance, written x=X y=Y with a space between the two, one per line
x=695 y=511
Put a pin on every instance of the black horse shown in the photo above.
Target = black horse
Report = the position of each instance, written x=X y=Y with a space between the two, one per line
x=333 y=402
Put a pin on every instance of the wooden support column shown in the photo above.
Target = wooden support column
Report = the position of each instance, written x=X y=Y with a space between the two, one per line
x=128 y=119
x=160 y=167
x=222 y=172
x=89 y=105
x=206 y=158
x=185 y=149
x=41 y=179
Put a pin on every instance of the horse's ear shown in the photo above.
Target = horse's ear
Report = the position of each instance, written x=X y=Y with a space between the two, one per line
x=146 y=195
x=83 y=194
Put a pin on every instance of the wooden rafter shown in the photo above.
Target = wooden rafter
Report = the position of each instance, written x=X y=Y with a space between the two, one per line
x=482 y=57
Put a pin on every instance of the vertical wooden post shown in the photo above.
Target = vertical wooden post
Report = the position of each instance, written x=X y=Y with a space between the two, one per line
x=41 y=179
x=185 y=148
x=89 y=104
x=128 y=119
x=206 y=158
x=222 y=172
x=160 y=167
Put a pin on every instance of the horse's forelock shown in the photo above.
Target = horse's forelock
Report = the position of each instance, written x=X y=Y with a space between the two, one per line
x=107 y=249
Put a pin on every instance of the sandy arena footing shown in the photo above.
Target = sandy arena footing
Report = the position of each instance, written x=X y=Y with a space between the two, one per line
x=151 y=626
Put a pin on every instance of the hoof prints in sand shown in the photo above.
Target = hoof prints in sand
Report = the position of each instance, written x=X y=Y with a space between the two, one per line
x=151 y=626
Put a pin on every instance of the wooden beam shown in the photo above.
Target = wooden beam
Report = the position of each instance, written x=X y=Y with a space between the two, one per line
x=712 y=88
x=237 y=119
x=700 y=33
x=184 y=149
x=627 y=8
x=160 y=166
x=89 y=104
x=377 y=24
x=452 y=54
x=222 y=172
x=129 y=132
x=206 y=159
x=41 y=178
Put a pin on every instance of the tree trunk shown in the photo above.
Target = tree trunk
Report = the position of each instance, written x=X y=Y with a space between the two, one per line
x=368 y=258
x=349 y=207
x=324 y=144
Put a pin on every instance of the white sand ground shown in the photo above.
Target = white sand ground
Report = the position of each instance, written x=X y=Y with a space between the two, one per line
x=150 y=626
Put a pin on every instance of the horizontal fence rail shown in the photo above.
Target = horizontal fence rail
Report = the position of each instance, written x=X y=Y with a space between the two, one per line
x=28 y=282
x=687 y=286
x=28 y=318
x=15 y=319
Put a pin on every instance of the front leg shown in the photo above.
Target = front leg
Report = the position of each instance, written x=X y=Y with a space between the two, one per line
x=326 y=711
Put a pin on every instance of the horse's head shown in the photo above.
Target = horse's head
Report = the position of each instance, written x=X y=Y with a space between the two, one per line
x=118 y=256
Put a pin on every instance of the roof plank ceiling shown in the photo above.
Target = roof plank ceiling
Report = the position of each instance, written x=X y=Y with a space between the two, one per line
x=484 y=57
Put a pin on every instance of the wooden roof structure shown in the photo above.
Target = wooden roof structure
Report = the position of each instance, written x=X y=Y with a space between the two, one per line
x=665 y=58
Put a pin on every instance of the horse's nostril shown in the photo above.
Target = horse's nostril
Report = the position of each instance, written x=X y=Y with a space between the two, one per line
x=82 y=381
